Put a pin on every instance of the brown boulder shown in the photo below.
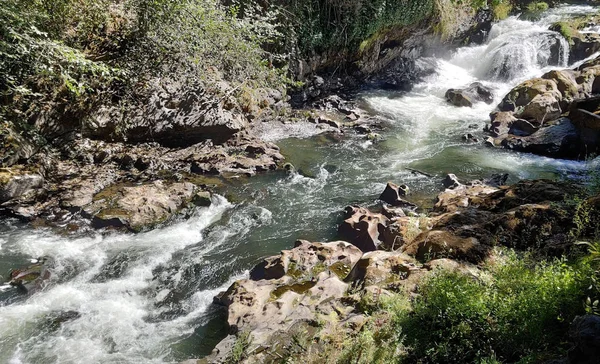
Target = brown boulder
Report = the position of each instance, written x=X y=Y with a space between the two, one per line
x=443 y=244
x=393 y=195
x=363 y=228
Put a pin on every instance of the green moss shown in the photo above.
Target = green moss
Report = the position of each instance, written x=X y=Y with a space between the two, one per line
x=565 y=29
x=537 y=6
x=502 y=10
x=340 y=269
x=299 y=288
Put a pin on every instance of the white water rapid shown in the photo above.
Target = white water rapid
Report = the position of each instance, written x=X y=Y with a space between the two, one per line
x=146 y=298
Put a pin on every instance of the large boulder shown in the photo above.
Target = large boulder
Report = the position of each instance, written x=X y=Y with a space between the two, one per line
x=307 y=259
x=363 y=228
x=526 y=91
x=312 y=287
x=17 y=182
x=475 y=92
x=560 y=139
x=139 y=207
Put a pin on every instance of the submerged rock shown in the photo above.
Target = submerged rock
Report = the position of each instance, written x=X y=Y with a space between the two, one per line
x=31 y=278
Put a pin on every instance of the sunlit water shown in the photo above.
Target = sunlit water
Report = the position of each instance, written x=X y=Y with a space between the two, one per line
x=146 y=298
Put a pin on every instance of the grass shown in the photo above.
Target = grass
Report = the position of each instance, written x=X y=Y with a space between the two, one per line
x=516 y=310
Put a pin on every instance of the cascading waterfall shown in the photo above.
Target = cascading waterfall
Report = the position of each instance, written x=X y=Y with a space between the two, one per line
x=147 y=298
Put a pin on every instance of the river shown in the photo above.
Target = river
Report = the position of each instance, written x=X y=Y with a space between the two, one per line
x=146 y=298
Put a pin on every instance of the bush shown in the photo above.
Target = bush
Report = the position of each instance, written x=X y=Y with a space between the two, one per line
x=524 y=309
x=537 y=6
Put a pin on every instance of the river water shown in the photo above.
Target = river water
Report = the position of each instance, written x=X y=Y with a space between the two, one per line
x=146 y=298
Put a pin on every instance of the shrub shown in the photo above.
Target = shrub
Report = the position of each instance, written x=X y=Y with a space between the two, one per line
x=524 y=309
x=537 y=6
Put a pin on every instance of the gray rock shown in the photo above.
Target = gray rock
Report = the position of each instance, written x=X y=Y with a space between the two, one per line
x=585 y=333
x=15 y=183
x=475 y=92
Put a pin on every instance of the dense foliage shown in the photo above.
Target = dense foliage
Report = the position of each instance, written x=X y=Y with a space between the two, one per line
x=68 y=55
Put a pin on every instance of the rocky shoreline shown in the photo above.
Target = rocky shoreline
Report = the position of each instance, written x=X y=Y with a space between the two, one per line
x=298 y=289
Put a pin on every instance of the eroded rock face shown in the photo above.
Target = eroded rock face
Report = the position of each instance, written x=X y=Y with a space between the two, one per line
x=173 y=115
x=17 y=183
x=57 y=192
x=312 y=285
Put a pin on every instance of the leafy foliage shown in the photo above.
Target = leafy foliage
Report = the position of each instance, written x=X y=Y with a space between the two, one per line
x=523 y=310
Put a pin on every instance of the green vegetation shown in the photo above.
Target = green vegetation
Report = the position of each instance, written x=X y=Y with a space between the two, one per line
x=522 y=310
x=331 y=25
x=516 y=310
x=240 y=348
x=64 y=57
x=537 y=6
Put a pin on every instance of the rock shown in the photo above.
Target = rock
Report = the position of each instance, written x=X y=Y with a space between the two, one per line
x=392 y=212
x=393 y=195
x=311 y=288
x=306 y=259
x=566 y=83
x=559 y=140
x=383 y=269
x=542 y=108
x=583 y=45
x=352 y=117
x=172 y=116
x=443 y=244
x=526 y=91
x=451 y=181
x=17 y=182
x=461 y=196
x=521 y=127
x=585 y=333
x=501 y=123
x=585 y=113
x=139 y=207
x=362 y=129
x=475 y=92
x=373 y=137
x=202 y=198
x=32 y=277
x=363 y=228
